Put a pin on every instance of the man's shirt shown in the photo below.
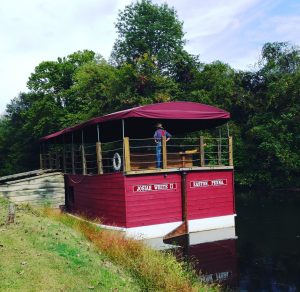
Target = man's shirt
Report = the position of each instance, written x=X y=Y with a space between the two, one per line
x=159 y=133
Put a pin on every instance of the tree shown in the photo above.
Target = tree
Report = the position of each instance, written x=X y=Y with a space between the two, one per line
x=53 y=78
x=91 y=91
x=43 y=110
x=18 y=146
x=147 y=28
x=280 y=57
x=271 y=131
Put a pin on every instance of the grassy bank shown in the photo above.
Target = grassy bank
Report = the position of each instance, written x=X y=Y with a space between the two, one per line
x=154 y=270
x=40 y=254
x=50 y=251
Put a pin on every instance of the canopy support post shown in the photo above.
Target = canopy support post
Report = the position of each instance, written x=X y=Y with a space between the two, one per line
x=127 y=154
x=230 y=154
x=98 y=134
x=41 y=157
x=57 y=164
x=64 y=155
x=202 y=160
x=164 y=152
x=227 y=125
x=45 y=155
x=219 y=148
x=73 y=155
x=83 y=155
x=99 y=153
x=50 y=157
x=123 y=138
x=99 y=158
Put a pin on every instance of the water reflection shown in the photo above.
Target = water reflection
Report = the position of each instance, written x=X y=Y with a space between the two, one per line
x=264 y=257
x=268 y=227
x=213 y=254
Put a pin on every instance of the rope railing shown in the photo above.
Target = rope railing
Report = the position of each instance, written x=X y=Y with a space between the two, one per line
x=180 y=153
x=138 y=155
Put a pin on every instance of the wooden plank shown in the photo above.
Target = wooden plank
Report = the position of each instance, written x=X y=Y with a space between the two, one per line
x=202 y=153
x=35 y=197
x=230 y=158
x=164 y=152
x=99 y=158
x=57 y=177
x=127 y=154
x=26 y=187
x=24 y=174
x=38 y=200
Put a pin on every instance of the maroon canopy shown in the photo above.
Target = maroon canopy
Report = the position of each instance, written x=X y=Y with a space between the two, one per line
x=177 y=117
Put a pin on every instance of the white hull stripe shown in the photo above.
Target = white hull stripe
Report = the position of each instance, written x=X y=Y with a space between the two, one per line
x=160 y=230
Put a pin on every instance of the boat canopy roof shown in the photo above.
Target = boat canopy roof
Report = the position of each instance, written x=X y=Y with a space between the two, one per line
x=139 y=122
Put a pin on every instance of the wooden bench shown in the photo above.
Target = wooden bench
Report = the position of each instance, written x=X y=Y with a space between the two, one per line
x=140 y=161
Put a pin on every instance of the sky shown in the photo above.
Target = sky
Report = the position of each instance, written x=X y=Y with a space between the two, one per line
x=233 y=31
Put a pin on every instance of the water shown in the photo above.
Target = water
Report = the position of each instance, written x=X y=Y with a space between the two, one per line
x=268 y=229
x=261 y=254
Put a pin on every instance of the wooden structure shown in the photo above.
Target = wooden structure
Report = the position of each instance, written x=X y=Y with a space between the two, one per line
x=110 y=173
x=34 y=187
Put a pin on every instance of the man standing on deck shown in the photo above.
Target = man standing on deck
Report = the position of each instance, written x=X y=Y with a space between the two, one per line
x=159 y=133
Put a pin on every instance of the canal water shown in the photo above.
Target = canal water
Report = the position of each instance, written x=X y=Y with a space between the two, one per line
x=261 y=254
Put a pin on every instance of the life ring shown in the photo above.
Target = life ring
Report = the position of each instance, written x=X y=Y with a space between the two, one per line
x=117 y=162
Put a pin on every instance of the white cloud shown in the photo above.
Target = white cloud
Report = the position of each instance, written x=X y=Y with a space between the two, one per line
x=285 y=28
x=37 y=30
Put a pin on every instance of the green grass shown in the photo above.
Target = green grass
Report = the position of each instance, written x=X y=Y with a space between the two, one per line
x=154 y=270
x=40 y=254
x=50 y=251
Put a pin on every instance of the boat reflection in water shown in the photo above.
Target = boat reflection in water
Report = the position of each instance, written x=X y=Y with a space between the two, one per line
x=213 y=254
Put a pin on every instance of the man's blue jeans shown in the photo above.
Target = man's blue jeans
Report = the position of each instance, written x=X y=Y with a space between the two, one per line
x=158 y=155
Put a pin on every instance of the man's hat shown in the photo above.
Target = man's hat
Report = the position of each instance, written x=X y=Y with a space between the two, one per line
x=159 y=125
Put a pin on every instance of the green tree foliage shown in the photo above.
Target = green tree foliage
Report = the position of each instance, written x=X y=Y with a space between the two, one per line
x=154 y=30
x=144 y=27
x=46 y=108
x=18 y=147
x=150 y=65
x=271 y=131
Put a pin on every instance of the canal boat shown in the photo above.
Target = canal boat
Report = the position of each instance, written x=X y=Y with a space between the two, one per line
x=110 y=169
